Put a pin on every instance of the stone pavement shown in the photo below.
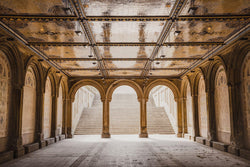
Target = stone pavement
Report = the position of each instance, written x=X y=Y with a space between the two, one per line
x=127 y=150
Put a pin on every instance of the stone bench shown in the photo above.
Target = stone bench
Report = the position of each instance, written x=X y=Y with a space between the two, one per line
x=220 y=146
x=62 y=137
x=245 y=153
x=57 y=139
x=200 y=140
x=49 y=141
x=31 y=147
x=6 y=156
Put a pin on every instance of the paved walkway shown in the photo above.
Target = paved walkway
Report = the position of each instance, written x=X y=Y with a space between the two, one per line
x=127 y=150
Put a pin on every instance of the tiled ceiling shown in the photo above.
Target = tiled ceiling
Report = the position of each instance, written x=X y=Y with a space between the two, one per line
x=124 y=38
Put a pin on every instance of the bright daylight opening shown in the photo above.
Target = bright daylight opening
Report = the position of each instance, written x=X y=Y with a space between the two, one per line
x=87 y=112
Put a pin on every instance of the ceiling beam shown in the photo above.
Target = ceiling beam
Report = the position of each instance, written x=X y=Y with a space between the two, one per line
x=85 y=26
x=165 y=31
x=120 y=69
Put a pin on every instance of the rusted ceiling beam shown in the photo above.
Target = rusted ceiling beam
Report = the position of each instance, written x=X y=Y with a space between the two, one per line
x=120 y=69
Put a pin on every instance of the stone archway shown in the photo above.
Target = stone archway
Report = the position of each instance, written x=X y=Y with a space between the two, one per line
x=176 y=93
x=72 y=93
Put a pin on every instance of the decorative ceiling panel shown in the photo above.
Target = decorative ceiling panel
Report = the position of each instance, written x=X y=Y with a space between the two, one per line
x=171 y=64
x=219 y=7
x=65 y=51
x=184 y=51
x=165 y=72
x=128 y=31
x=125 y=51
x=87 y=73
x=35 y=7
x=47 y=31
x=77 y=64
x=204 y=31
x=127 y=7
x=122 y=73
x=125 y=64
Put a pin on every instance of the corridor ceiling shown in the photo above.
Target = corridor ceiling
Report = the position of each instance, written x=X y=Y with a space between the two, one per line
x=125 y=38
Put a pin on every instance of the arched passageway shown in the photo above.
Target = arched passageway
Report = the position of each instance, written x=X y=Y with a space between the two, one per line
x=161 y=111
x=87 y=112
x=124 y=111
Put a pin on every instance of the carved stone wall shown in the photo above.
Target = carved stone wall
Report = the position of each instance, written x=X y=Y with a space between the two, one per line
x=189 y=110
x=246 y=100
x=222 y=112
x=4 y=99
x=47 y=109
x=60 y=110
x=29 y=107
x=202 y=108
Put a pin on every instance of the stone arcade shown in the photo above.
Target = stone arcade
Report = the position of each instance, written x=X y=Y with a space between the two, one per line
x=60 y=56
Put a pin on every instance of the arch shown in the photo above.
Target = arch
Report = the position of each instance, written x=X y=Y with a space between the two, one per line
x=185 y=82
x=222 y=108
x=245 y=98
x=29 y=107
x=123 y=82
x=86 y=82
x=5 y=89
x=164 y=82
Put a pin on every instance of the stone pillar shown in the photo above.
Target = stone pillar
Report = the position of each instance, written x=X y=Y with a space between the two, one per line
x=143 y=118
x=54 y=132
x=40 y=118
x=105 y=117
x=179 y=117
x=195 y=131
x=211 y=128
x=69 y=118
x=184 y=116
x=235 y=117
x=64 y=121
x=16 y=117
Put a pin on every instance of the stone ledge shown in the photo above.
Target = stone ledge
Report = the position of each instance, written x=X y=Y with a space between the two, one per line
x=62 y=137
x=49 y=141
x=233 y=150
x=42 y=144
x=201 y=140
x=187 y=136
x=209 y=143
x=220 y=146
x=6 y=156
x=245 y=153
x=31 y=147
x=57 y=139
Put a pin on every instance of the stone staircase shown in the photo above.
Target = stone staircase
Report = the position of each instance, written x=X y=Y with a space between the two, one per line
x=124 y=117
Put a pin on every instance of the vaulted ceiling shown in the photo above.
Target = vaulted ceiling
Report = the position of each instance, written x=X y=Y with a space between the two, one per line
x=125 y=38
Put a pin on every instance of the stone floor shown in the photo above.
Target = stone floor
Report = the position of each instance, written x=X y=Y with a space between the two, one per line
x=127 y=150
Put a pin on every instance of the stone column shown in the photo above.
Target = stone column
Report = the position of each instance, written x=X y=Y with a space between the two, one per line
x=195 y=131
x=16 y=118
x=235 y=117
x=179 y=117
x=184 y=116
x=54 y=132
x=69 y=118
x=211 y=128
x=143 y=118
x=40 y=118
x=64 y=121
x=105 y=117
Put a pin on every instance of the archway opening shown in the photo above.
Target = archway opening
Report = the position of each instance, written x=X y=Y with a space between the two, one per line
x=124 y=111
x=161 y=111
x=87 y=112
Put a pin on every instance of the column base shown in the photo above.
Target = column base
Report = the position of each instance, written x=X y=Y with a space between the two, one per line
x=20 y=151
x=233 y=150
x=105 y=135
x=143 y=135
x=179 y=135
